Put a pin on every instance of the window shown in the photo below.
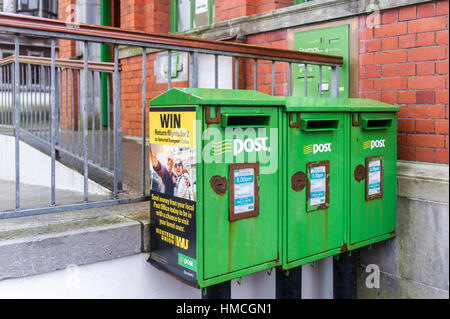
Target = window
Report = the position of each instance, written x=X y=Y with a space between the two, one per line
x=40 y=8
x=190 y=14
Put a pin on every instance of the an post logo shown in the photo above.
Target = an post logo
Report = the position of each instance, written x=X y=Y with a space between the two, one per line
x=218 y=148
x=373 y=144
x=317 y=148
x=237 y=146
x=250 y=145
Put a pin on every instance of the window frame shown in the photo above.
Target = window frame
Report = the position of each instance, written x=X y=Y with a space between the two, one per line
x=174 y=14
x=37 y=12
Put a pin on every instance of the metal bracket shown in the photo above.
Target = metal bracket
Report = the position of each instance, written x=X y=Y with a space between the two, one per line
x=212 y=120
x=293 y=124
x=354 y=121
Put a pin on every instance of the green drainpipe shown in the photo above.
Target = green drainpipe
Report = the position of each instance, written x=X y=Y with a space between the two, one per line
x=105 y=19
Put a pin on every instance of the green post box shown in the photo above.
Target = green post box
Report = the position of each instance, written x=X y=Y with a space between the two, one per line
x=373 y=172
x=215 y=201
x=316 y=139
x=339 y=174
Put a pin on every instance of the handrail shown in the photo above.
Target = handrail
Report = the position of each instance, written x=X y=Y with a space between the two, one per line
x=65 y=63
x=95 y=33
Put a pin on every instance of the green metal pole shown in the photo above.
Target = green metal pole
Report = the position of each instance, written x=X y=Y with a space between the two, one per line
x=105 y=19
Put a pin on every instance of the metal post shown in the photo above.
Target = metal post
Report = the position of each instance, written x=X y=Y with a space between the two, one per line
x=288 y=283
x=100 y=124
x=344 y=276
x=108 y=108
x=53 y=121
x=93 y=119
x=236 y=73
x=17 y=116
x=193 y=69
x=144 y=113
x=306 y=80
x=218 y=291
x=67 y=110
x=216 y=71
x=72 y=92
x=255 y=74
x=117 y=125
x=273 y=77
x=290 y=79
x=320 y=80
x=169 y=70
x=85 y=116
x=334 y=82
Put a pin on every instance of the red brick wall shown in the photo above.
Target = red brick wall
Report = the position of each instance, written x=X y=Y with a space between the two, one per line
x=157 y=16
x=404 y=61
x=274 y=39
x=131 y=91
x=132 y=15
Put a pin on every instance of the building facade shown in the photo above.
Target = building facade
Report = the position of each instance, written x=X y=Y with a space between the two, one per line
x=395 y=51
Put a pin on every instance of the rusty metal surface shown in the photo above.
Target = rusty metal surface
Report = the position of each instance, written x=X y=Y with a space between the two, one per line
x=360 y=173
x=293 y=124
x=354 y=121
x=106 y=34
x=298 y=181
x=219 y=184
x=212 y=120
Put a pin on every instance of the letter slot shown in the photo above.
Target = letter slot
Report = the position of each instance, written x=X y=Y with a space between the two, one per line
x=245 y=120
x=319 y=125
x=376 y=124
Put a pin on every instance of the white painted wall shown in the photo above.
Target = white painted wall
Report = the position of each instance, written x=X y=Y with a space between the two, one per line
x=31 y=159
x=206 y=66
x=133 y=278
x=128 y=277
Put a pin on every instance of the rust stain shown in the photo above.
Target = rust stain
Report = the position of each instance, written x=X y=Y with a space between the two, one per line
x=359 y=173
x=344 y=248
x=219 y=184
x=298 y=181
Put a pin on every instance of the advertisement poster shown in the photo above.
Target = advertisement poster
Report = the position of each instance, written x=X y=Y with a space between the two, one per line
x=173 y=192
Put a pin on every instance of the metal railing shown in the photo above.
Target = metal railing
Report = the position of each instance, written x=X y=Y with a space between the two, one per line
x=67 y=133
x=35 y=91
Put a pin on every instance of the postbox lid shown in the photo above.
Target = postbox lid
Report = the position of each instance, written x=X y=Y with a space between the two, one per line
x=195 y=96
x=321 y=104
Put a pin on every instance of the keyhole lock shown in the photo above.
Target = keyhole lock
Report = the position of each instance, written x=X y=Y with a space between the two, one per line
x=219 y=185
x=298 y=181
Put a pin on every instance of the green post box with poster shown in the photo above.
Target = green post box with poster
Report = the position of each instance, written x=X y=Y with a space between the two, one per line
x=339 y=176
x=215 y=200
